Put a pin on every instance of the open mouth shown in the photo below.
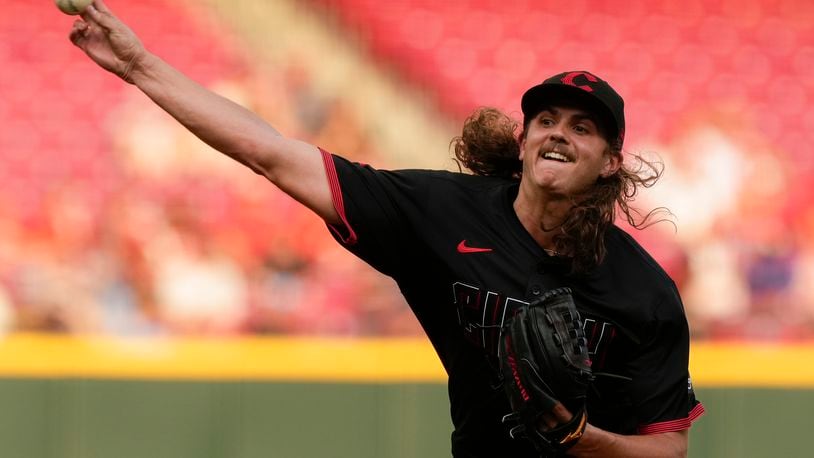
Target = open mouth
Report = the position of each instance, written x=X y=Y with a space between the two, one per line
x=555 y=156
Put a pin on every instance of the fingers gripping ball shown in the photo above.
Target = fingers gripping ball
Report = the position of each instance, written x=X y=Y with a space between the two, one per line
x=72 y=6
x=545 y=362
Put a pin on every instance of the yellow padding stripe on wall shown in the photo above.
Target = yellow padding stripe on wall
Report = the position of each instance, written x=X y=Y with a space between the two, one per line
x=369 y=360
x=751 y=364
x=267 y=358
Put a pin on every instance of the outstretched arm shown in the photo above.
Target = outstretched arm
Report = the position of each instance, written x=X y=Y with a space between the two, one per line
x=294 y=166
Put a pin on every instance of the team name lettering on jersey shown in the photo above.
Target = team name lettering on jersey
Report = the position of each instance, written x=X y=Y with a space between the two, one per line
x=482 y=314
x=599 y=334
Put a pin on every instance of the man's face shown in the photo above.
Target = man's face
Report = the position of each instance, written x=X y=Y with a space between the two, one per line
x=564 y=151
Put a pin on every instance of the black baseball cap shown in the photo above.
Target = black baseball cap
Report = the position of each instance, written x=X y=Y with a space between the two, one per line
x=584 y=85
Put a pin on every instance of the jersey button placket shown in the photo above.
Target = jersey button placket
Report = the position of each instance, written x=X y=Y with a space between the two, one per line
x=536 y=286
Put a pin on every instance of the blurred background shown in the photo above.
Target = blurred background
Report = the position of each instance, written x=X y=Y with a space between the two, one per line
x=116 y=223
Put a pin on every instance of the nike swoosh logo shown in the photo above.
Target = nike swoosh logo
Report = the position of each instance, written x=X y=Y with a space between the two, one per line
x=463 y=248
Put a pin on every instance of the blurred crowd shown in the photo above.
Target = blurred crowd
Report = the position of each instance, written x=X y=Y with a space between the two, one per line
x=741 y=248
x=188 y=242
x=214 y=262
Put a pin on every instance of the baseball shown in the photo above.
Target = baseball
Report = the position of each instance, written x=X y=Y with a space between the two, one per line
x=72 y=6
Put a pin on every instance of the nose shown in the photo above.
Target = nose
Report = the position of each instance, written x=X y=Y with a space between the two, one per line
x=557 y=133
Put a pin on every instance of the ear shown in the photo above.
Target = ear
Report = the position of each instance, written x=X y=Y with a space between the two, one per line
x=522 y=144
x=613 y=161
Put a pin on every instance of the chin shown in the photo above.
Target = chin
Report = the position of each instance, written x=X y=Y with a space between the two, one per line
x=547 y=178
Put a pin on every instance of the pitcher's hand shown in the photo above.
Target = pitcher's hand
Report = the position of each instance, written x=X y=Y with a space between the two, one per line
x=107 y=40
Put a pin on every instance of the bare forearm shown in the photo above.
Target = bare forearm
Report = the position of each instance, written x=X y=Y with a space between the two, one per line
x=294 y=166
x=221 y=123
x=600 y=443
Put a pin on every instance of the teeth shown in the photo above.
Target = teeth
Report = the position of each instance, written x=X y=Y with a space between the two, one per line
x=556 y=156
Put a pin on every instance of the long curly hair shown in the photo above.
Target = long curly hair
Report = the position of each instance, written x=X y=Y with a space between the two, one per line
x=490 y=146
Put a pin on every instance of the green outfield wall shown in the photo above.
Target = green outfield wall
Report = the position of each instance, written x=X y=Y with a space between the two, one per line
x=230 y=399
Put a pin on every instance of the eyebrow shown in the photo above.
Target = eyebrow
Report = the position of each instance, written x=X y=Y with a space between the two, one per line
x=580 y=115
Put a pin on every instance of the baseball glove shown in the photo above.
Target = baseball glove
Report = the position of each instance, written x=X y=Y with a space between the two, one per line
x=544 y=361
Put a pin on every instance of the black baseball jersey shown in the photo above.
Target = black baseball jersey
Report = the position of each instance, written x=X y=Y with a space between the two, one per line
x=462 y=259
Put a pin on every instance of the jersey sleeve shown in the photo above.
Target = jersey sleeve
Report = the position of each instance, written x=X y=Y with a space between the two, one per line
x=662 y=390
x=378 y=209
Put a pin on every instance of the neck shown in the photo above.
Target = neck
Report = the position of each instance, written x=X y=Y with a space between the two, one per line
x=541 y=215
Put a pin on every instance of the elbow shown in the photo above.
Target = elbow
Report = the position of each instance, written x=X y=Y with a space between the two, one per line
x=257 y=149
x=268 y=156
x=253 y=155
x=258 y=168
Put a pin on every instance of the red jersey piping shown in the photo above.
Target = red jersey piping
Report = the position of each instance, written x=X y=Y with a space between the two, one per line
x=673 y=425
x=345 y=233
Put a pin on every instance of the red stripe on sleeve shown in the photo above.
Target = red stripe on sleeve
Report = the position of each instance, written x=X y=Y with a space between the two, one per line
x=673 y=425
x=345 y=233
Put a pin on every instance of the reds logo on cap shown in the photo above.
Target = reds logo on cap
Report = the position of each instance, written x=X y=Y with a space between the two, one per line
x=569 y=80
